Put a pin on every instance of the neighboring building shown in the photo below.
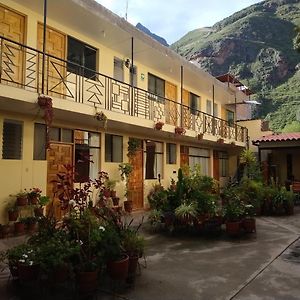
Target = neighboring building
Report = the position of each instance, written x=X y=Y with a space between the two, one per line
x=97 y=62
x=279 y=155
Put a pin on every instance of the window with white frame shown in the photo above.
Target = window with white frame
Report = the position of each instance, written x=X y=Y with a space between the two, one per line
x=87 y=155
x=12 y=139
x=209 y=107
x=113 y=148
x=153 y=154
x=156 y=86
x=198 y=156
x=171 y=153
x=223 y=164
x=118 y=69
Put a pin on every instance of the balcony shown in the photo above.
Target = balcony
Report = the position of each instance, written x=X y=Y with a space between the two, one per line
x=21 y=67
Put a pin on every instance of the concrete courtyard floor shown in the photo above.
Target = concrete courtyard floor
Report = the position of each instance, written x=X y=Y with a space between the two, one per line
x=264 y=266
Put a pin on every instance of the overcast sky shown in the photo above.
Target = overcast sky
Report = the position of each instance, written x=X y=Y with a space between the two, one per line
x=172 y=19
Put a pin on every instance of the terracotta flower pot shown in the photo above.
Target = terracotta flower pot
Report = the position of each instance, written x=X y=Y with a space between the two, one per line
x=39 y=211
x=87 y=282
x=106 y=193
x=28 y=273
x=33 y=200
x=159 y=126
x=19 y=227
x=132 y=266
x=118 y=270
x=233 y=228
x=249 y=224
x=22 y=201
x=116 y=201
x=128 y=206
x=113 y=194
x=13 y=215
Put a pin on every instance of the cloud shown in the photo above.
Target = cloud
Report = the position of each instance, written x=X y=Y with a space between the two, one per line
x=172 y=20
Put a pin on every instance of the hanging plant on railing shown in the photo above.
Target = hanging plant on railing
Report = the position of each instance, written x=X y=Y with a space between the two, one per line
x=200 y=136
x=101 y=117
x=133 y=145
x=159 y=125
x=220 y=141
x=179 y=130
x=45 y=103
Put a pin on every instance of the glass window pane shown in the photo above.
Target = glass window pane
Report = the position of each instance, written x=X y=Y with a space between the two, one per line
x=54 y=134
x=39 y=148
x=117 y=149
x=95 y=164
x=216 y=114
x=108 y=147
x=94 y=139
x=67 y=135
x=12 y=139
x=118 y=69
x=171 y=153
x=208 y=107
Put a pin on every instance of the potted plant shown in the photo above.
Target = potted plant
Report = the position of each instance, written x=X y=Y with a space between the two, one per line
x=125 y=171
x=249 y=223
x=42 y=202
x=220 y=141
x=31 y=223
x=117 y=259
x=20 y=226
x=21 y=199
x=133 y=145
x=45 y=103
x=233 y=212
x=101 y=117
x=159 y=125
x=200 y=136
x=110 y=185
x=33 y=196
x=179 y=130
x=13 y=212
x=134 y=245
x=186 y=213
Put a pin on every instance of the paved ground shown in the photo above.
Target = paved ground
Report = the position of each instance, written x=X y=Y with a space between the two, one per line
x=263 y=266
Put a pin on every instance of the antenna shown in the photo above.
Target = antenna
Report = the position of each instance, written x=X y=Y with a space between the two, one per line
x=126 y=9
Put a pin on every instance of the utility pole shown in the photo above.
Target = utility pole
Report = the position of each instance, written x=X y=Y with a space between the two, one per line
x=126 y=11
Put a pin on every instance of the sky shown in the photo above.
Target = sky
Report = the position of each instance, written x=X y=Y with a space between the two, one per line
x=172 y=19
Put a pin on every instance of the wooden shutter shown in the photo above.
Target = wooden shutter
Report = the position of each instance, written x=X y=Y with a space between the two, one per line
x=12 y=139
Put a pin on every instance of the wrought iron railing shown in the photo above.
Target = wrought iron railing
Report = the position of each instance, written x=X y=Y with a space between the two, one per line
x=21 y=66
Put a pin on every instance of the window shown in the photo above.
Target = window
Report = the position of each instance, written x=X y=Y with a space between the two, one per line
x=198 y=156
x=12 y=139
x=153 y=159
x=118 y=69
x=223 y=164
x=208 y=107
x=87 y=155
x=156 y=86
x=39 y=146
x=216 y=113
x=81 y=54
x=55 y=135
x=171 y=153
x=230 y=117
x=113 y=148
x=194 y=103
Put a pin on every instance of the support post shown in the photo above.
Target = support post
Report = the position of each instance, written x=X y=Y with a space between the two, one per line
x=44 y=46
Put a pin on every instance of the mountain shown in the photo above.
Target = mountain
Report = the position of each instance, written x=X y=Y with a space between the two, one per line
x=258 y=45
x=153 y=35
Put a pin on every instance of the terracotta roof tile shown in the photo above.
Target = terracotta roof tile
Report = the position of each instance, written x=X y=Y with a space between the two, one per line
x=281 y=137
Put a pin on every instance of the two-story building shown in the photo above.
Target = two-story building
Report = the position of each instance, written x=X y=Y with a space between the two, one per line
x=96 y=62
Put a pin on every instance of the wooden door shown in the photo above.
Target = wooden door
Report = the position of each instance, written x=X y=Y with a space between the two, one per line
x=216 y=167
x=184 y=156
x=136 y=180
x=186 y=114
x=55 y=69
x=58 y=155
x=172 y=108
x=12 y=26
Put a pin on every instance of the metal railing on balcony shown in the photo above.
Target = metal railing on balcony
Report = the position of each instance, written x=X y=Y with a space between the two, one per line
x=21 y=66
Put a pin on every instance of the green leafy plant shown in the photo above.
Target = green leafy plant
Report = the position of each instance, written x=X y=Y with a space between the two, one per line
x=133 y=145
x=186 y=212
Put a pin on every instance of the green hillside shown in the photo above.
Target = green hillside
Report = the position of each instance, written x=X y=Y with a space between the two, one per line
x=258 y=45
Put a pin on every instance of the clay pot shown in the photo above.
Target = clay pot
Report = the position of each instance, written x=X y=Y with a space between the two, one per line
x=106 y=193
x=132 y=266
x=233 y=228
x=19 y=227
x=118 y=270
x=33 y=200
x=39 y=211
x=87 y=282
x=249 y=224
x=22 y=201
x=28 y=273
x=159 y=126
x=13 y=215
x=116 y=201
x=113 y=194
x=128 y=206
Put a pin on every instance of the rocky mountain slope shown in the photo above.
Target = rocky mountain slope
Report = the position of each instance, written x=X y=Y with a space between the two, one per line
x=153 y=35
x=258 y=45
